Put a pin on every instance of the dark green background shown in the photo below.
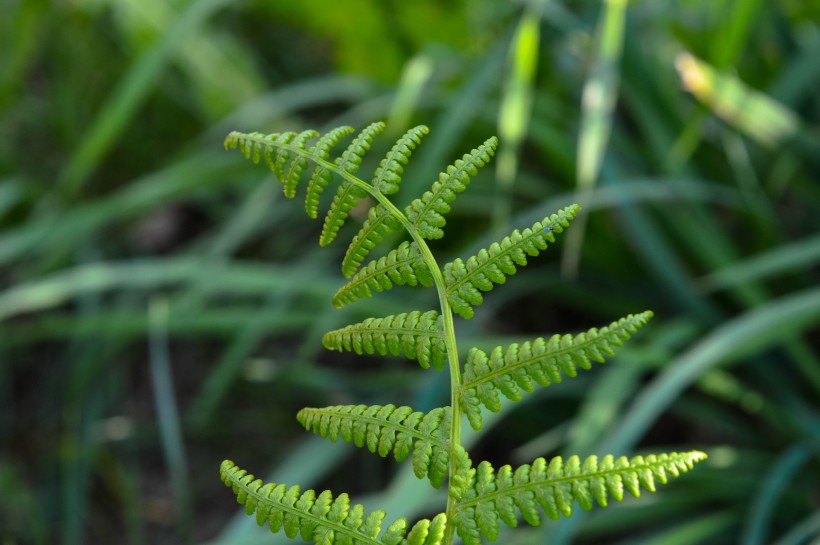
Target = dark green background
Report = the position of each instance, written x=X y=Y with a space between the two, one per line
x=163 y=305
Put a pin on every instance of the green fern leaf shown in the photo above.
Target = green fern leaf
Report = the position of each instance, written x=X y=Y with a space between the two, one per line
x=466 y=281
x=298 y=165
x=278 y=149
x=426 y=532
x=520 y=367
x=379 y=221
x=427 y=213
x=404 y=265
x=323 y=519
x=234 y=140
x=321 y=177
x=479 y=498
x=348 y=195
x=385 y=428
x=387 y=177
x=379 y=224
x=555 y=486
x=256 y=145
x=419 y=336
x=277 y=157
x=463 y=473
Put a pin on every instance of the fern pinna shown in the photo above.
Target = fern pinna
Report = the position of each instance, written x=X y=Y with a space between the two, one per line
x=478 y=497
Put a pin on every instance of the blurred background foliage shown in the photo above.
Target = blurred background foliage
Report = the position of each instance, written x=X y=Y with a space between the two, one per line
x=162 y=307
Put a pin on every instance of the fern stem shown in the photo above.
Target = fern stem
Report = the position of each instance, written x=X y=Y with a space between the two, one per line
x=455 y=397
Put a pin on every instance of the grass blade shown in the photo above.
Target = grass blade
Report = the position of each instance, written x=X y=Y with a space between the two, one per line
x=165 y=404
x=415 y=76
x=755 y=528
x=50 y=234
x=131 y=91
x=795 y=257
x=748 y=333
x=514 y=112
x=807 y=528
x=454 y=119
x=736 y=20
x=703 y=529
x=63 y=287
x=599 y=97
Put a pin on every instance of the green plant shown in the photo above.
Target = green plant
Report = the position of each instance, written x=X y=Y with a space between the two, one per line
x=478 y=496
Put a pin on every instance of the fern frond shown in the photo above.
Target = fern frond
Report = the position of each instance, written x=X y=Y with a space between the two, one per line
x=321 y=177
x=427 y=213
x=321 y=518
x=276 y=158
x=386 y=180
x=419 y=336
x=466 y=281
x=348 y=195
x=279 y=149
x=555 y=486
x=256 y=145
x=298 y=165
x=387 y=177
x=385 y=428
x=379 y=224
x=404 y=265
x=520 y=367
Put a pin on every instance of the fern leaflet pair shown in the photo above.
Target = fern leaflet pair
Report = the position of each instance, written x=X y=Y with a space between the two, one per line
x=478 y=497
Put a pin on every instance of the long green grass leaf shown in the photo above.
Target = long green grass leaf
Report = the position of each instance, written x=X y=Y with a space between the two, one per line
x=759 y=328
x=49 y=234
x=599 y=97
x=131 y=91
x=775 y=483
x=62 y=287
x=515 y=111
x=170 y=430
x=793 y=257
x=806 y=529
